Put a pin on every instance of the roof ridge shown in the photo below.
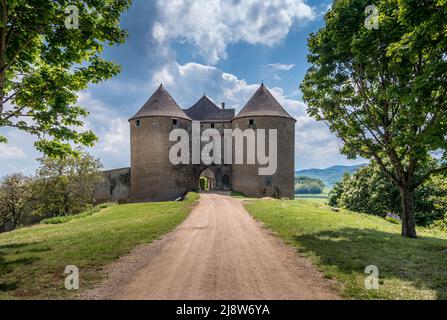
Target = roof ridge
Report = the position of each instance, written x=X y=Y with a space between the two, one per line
x=263 y=103
x=161 y=104
x=206 y=98
x=206 y=110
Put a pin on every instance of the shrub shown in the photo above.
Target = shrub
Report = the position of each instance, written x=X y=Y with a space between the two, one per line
x=203 y=183
x=306 y=185
x=393 y=218
x=14 y=201
x=440 y=224
x=89 y=212
x=369 y=191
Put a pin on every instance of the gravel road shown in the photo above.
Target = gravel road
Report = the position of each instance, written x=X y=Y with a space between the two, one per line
x=218 y=253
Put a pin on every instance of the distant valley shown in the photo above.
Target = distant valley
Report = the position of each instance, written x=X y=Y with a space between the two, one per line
x=329 y=176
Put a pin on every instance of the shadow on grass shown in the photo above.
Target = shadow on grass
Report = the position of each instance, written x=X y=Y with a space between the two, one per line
x=423 y=261
x=9 y=286
x=15 y=256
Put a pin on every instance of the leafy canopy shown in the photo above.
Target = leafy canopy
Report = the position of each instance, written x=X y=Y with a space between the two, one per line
x=43 y=65
x=383 y=92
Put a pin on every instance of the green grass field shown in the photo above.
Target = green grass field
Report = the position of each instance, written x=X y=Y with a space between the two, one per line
x=343 y=244
x=322 y=198
x=33 y=260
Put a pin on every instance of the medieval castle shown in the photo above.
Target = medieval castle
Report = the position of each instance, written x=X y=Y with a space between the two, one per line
x=152 y=177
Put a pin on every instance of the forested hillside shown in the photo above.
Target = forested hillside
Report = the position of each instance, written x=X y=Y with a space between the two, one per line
x=329 y=176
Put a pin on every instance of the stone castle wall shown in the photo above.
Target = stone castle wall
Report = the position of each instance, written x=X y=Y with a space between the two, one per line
x=246 y=178
x=114 y=187
x=154 y=178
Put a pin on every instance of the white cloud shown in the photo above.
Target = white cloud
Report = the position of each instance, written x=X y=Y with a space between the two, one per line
x=281 y=66
x=11 y=152
x=211 y=25
x=116 y=140
x=275 y=68
x=163 y=76
x=112 y=130
x=159 y=33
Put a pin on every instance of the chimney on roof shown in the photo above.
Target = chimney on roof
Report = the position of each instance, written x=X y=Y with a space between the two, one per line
x=223 y=105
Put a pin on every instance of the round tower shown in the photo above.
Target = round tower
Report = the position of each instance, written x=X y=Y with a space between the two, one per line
x=263 y=111
x=153 y=177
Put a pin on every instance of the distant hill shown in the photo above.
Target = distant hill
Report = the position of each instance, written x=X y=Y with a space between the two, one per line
x=307 y=185
x=329 y=176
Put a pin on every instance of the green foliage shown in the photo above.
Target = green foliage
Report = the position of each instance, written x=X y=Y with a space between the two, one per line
x=62 y=187
x=369 y=191
x=440 y=225
x=88 y=213
x=337 y=190
x=14 y=201
x=43 y=65
x=65 y=186
x=439 y=200
x=203 y=183
x=307 y=185
x=392 y=220
x=329 y=176
x=383 y=91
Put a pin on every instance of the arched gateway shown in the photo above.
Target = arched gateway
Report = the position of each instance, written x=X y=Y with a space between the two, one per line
x=214 y=178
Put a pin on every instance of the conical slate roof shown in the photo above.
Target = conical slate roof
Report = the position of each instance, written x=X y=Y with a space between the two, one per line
x=206 y=110
x=263 y=103
x=161 y=104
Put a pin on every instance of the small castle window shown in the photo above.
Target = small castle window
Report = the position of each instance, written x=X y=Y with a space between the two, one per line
x=212 y=125
x=174 y=122
x=155 y=122
x=138 y=123
x=251 y=122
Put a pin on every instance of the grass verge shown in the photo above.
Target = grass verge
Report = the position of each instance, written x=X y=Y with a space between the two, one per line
x=342 y=244
x=87 y=213
x=33 y=260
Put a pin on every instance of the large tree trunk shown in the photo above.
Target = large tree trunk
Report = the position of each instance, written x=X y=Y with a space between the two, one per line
x=3 y=31
x=408 y=218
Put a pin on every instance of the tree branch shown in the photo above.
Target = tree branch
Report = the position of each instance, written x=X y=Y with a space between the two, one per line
x=10 y=97
x=15 y=55
x=3 y=54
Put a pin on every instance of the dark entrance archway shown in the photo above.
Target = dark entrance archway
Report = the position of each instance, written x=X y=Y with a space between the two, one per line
x=226 y=183
x=213 y=178
x=207 y=180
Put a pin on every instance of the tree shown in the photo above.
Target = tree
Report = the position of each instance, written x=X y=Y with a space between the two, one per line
x=369 y=191
x=65 y=186
x=307 y=185
x=382 y=91
x=337 y=190
x=45 y=61
x=14 y=197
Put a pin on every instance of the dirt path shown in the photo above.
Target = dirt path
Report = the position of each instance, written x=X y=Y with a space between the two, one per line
x=219 y=252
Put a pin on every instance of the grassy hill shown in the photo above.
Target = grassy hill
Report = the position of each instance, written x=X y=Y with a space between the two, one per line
x=329 y=176
x=33 y=260
x=342 y=244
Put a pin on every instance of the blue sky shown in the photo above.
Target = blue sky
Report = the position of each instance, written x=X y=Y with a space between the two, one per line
x=225 y=48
